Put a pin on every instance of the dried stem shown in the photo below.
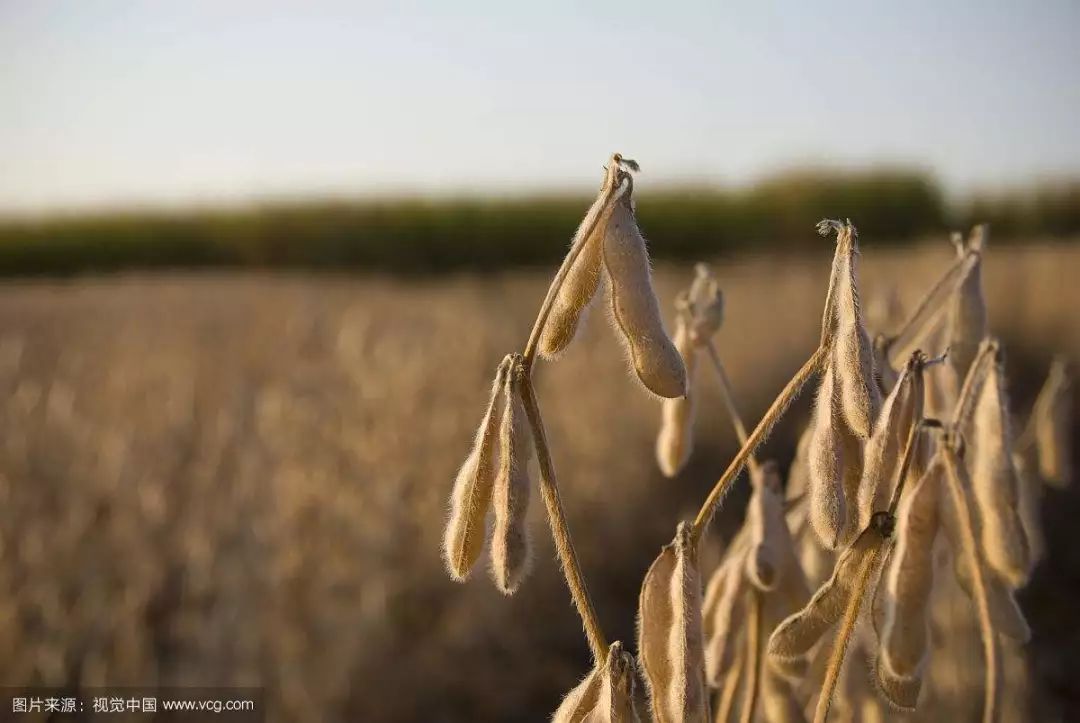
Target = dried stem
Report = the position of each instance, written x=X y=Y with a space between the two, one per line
x=753 y=656
x=560 y=531
x=728 y=395
x=843 y=634
x=612 y=182
x=761 y=431
x=978 y=583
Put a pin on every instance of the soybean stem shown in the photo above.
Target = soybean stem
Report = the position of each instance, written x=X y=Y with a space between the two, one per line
x=728 y=396
x=843 y=635
x=760 y=433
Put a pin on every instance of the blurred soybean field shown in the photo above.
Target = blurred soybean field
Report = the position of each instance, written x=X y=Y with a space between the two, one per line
x=425 y=235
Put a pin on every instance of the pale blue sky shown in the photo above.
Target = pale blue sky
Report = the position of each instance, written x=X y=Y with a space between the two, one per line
x=105 y=103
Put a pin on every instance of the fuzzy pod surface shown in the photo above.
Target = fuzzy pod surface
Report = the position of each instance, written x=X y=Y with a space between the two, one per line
x=825 y=456
x=854 y=354
x=463 y=539
x=802 y=630
x=670 y=637
x=675 y=441
x=995 y=485
x=634 y=307
x=883 y=452
x=606 y=695
x=908 y=582
x=510 y=552
x=579 y=287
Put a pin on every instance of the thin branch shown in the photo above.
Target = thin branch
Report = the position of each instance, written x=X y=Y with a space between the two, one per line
x=760 y=433
x=560 y=530
x=958 y=491
x=754 y=658
x=728 y=395
x=843 y=635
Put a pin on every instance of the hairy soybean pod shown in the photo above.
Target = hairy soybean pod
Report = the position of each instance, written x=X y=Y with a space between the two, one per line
x=799 y=632
x=579 y=287
x=634 y=307
x=670 y=637
x=510 y=557
x=463 y=540
x=676 y=438
x=901 y=409
x=606 y=695
x=996 y=488
x=908 y=582
x=827 y=506
x=854 y=358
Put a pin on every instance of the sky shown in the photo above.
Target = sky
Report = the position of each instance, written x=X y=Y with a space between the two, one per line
x=106 y=103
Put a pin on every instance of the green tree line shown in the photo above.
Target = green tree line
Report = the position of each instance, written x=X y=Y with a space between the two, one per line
x=429 y=235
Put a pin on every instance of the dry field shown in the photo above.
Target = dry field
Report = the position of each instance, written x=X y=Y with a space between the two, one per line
x=242 y=480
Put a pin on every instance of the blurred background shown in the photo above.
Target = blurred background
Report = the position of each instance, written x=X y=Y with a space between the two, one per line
x=242 y=244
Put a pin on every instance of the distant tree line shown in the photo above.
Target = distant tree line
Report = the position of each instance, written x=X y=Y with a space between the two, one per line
x=428 y=235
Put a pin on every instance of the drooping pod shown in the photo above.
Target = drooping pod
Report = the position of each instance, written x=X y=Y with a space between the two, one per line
x=1052 y=417
x=802 y=630
x=900 y=410
x=582 y=280
x=676 y=438
x=908 y=582
x=967 y=309
x=997 y=493
x=670 y=637
x=854 y=354
x=634 y=307
x=510 y=558
x=606 y=695
x=463 y=539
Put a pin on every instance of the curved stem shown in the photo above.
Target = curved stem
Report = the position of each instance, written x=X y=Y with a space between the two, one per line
x=612 y=181
x=728 y=396
x=560 y=530
x=753 y=656
x=957 y=491
x=843 y=635
x=761 y=431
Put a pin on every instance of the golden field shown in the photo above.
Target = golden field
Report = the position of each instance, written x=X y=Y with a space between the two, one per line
x=239 y=479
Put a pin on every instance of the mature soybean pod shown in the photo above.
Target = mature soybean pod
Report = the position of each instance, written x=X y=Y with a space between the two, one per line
x=463 y=540
x=634 y=307
x=510 y=558
x=675 y=440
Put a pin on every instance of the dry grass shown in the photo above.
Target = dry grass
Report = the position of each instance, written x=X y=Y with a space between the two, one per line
x=242 y=480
